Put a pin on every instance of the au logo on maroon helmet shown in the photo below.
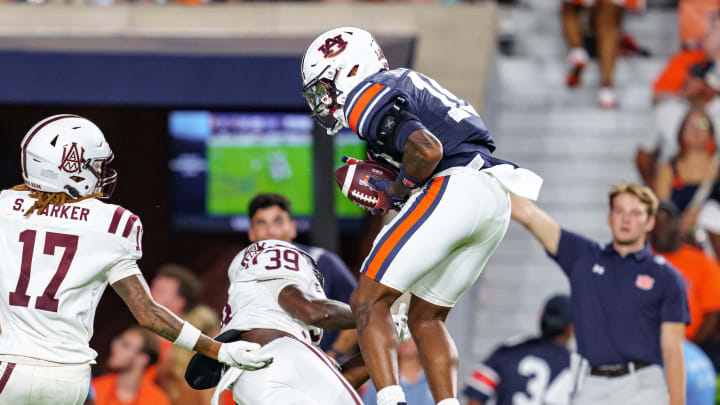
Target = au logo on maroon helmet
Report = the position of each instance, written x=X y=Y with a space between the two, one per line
x=333 y=46
x=72 y=160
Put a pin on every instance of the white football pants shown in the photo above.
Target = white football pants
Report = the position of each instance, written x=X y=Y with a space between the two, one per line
x=300 y=374
x=437 y=245
x=22 y=384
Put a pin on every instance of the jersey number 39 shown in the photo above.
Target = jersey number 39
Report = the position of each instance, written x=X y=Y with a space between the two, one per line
x=288 y=259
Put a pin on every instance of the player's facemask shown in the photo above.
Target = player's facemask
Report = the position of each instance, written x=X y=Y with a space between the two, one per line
x=321 y=94
x=106 y=176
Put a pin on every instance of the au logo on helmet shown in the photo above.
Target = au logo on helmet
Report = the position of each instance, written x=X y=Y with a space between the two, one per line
x=333 y=46
x=72 y=160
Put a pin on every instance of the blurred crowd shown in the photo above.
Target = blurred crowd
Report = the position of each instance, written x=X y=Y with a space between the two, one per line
x=201 y=2
x=678 y=157
x=680 y=161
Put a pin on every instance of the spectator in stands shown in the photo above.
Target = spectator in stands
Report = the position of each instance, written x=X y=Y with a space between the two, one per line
x=534 y=371
x=701 y=379
x=695 y=19
x=673 y=81
x=207 y=321
x=607 y=18
x=176 y=288
x=271 y=218
x=412 y=377
x=678 y=180
x=709 y=221
x=131 y=353
x=701 y=274
x=696 y=28
x=662 y=143
x=629 y=307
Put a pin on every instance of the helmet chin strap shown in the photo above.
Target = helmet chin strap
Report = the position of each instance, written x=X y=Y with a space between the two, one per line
x=339 y=122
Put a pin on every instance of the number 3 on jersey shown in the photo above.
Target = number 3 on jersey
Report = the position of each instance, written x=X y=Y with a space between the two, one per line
x=538 y=372
x=47 y=301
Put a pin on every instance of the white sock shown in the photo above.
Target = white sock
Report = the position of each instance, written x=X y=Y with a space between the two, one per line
x=391 y=395
x=449 y=401
x=577 y=55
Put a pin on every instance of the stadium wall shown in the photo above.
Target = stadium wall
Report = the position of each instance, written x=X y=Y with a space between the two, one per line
x=454 y=44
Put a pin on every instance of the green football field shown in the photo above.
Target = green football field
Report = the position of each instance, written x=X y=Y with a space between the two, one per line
x=236 y=173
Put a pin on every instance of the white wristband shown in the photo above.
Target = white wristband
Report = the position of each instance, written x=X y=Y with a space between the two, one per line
x=188 y=337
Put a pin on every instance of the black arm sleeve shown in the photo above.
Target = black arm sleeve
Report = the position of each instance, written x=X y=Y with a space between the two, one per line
x=389 y=126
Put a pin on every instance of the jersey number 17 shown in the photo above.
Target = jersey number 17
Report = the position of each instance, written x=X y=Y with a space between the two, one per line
x=47 y=301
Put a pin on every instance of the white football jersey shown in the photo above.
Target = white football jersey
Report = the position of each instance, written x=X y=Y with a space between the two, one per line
x=257 y=275
x=55 y=266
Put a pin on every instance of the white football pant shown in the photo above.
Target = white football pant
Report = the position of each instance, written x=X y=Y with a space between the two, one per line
x=438 y=244
x=300 y=374
x=22 y=384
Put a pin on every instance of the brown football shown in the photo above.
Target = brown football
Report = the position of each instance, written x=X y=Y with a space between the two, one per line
x=351 y=180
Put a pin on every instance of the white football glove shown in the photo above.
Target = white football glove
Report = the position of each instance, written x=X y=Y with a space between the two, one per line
x=401 y=323
x=243 y=355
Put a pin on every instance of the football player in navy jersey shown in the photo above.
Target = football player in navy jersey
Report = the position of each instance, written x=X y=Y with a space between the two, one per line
x=534 y=371
x=448 y=184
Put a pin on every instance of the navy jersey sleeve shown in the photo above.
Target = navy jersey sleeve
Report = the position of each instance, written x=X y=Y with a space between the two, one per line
x=369 y=101
x=674 y=301
x=339 y=280
x=483 y=382
x=570 y=248
x=452 y=121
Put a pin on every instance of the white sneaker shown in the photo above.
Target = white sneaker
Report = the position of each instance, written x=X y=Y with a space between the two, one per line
x=578 y=59
x=607 y=98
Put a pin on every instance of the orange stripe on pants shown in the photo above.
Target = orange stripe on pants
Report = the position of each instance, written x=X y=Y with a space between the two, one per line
x=362 y=102
x=400 y=231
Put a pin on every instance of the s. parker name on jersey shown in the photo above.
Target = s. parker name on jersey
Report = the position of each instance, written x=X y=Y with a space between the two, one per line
x=63 y=212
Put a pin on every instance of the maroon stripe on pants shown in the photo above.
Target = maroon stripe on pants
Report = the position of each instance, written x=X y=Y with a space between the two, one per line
x=342 y=379
x=116 y=219
x=6 y=376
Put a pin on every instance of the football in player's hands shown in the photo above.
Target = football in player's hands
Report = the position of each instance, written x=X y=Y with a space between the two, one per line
x=351 y=180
